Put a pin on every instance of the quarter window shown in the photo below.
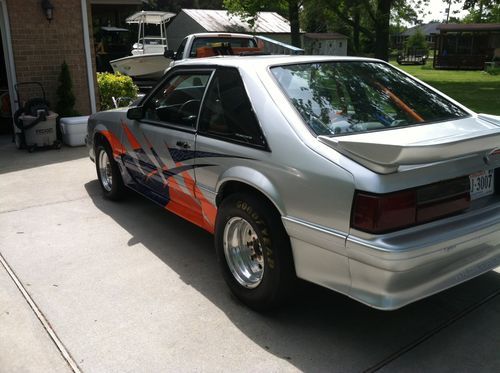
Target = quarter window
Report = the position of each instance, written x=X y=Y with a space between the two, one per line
x=178 y=100
x=227 y=112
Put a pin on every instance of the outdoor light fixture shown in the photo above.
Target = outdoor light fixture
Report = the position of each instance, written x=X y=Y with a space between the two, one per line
x=48 y=9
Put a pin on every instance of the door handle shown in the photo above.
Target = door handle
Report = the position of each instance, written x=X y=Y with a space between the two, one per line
x=182 y=144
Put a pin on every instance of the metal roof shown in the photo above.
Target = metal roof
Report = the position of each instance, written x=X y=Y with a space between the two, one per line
x=324 y=35
x=222 y=20
x=151 y=17
x=470 y=27
x=426 y=29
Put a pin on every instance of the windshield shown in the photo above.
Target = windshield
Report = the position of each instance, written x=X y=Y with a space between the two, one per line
x=345 y=97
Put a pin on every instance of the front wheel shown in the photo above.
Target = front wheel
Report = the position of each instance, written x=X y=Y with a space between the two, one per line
x=254 y=251
x=108 y=173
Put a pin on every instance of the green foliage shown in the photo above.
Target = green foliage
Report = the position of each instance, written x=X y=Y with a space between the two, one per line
x=65 y=97
x=493 y=71
x=417 y=41
x=477 y=90
x=248 y=9
x=115 y=86
x=176 y=5
x=482 y=11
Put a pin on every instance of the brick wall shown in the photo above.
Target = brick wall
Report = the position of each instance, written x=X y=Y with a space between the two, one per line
x=41 y=47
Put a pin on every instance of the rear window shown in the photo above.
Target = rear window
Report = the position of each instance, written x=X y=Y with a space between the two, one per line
x=215 y=41
x=336 y=98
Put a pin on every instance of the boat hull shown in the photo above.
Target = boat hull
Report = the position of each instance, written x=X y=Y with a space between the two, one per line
x=144 y=66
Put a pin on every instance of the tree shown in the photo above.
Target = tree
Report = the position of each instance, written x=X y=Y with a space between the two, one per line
x=376 y=12
x=417 y=42
x=482 y=11
x=372 y=18
x=248 y=9
x=176 y=5
x=66 y=98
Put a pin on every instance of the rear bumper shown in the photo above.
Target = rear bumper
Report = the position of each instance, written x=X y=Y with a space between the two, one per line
x=391 y=271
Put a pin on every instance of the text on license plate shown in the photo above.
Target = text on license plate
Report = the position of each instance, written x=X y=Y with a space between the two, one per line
x=481 y=184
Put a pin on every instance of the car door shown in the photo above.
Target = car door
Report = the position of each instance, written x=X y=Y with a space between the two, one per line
x=229 y=135
x=163 y=140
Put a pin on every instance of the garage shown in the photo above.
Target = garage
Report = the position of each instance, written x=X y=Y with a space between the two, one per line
x=5 y=79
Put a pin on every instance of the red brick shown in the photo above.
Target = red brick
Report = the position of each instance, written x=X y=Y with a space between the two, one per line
x=40 y=47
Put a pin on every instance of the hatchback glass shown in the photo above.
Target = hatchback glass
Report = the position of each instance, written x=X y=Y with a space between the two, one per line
x=336 y=98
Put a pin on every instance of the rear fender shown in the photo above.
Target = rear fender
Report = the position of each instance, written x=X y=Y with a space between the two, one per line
x=254 y=179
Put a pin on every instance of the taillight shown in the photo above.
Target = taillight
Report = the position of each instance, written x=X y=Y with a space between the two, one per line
x=382 y=213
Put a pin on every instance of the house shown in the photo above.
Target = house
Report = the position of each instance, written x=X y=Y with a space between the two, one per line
x=37 y=36
x=190 y=21
x=328 y=44
x=429 y=30
x=467 y=46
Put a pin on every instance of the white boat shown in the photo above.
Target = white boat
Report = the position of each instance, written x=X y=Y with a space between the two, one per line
x=147 y=60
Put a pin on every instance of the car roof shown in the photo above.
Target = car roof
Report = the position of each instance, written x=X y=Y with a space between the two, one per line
x=222 y=34
x=267 y=60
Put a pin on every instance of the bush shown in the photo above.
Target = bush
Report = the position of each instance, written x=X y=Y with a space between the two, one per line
x=417 y=42
x=494 y=71
x=115 y=87
x=65 y=97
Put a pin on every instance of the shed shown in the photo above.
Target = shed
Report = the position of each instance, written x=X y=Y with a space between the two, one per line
x=325 y=43
x=467 y=46
x=190 y=21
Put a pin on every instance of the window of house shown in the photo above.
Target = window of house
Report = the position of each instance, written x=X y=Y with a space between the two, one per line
x=227 y=112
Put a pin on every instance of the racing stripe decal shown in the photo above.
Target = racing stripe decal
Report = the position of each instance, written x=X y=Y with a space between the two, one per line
x=131 y=138
x=186 y=206
x=179 y=195
x=116 y=146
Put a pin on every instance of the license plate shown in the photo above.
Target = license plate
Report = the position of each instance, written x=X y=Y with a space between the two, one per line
x=481 y=184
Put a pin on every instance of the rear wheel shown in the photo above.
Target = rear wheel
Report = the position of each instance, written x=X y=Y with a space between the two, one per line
x=108 y=173
x=254 y=251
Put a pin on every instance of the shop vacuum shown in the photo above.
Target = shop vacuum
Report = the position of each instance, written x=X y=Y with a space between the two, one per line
x=35 y=124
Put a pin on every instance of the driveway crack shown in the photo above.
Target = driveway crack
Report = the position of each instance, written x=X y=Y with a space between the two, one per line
x=43 y=320
x=46 y=204
x=456 y=317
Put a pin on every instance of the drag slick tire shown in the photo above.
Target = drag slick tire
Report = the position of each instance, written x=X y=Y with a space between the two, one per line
x=254 y=251
x=108 y=173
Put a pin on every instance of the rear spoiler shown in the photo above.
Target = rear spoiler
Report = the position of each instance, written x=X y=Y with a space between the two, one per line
x=384 y=151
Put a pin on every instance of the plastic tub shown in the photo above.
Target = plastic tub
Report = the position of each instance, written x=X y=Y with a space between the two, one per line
x=74 y=130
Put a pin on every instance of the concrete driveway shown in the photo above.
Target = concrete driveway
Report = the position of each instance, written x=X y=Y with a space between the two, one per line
x=128 y=287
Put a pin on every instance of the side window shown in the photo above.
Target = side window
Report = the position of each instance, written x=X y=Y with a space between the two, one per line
x=178 y=100
x=227 y=112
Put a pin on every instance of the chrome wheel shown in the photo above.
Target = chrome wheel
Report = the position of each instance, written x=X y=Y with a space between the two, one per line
x=105 y=171
x=243 y=252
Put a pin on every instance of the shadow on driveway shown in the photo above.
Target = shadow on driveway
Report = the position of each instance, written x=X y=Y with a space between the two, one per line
x=13 y=159
x=321 y=330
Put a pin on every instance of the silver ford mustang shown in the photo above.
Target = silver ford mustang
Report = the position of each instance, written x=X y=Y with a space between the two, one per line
x=345 y=172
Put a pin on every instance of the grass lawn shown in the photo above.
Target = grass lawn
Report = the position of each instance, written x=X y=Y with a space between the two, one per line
x=477 y=90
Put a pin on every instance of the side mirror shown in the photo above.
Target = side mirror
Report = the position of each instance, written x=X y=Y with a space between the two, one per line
x=135 y=113
x=169 y=53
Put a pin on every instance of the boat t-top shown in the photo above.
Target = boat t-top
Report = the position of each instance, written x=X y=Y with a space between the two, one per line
x=147 y=60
